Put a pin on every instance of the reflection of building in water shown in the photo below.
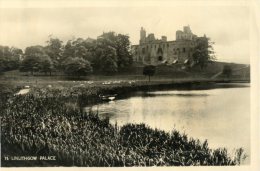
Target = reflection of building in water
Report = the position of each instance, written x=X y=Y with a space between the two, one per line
x=157 y=51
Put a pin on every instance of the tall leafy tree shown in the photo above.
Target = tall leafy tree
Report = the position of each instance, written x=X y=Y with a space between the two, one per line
x=68 y=50
x=90 y=45
x=46 y=64
x=17 y=53
x=107 y=39
x=35 y=60
x=5 y=52
x=124 y=56
x=109 y=66
x=54 y=50
x=33 y=50
x=79 y=48
x=31 y=63
x=116 y=48
x=108 y=60
x=105 y=54
x=4 y=55
x=9 y=58
x=204 y=52
x=77 y=67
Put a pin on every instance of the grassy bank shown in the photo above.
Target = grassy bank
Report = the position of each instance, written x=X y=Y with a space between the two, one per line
x=45 y=125
x=240 y=72
x=83 y=93
x=49 y=121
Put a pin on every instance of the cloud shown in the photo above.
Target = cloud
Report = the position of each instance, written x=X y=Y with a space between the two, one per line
x=233 y=52
x=227 y=26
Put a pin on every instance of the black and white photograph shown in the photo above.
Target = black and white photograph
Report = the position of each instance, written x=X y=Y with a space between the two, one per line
x=164 y=84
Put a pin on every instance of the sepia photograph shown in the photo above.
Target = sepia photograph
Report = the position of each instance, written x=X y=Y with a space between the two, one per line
x=127 y=84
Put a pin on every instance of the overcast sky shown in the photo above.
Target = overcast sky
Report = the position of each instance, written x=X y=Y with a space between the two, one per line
x=227 y=26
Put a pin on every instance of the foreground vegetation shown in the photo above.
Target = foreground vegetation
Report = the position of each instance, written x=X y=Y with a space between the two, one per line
x=49 y=123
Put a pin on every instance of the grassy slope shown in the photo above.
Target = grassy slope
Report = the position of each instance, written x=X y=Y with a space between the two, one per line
x=175 y=72
x=165 y=73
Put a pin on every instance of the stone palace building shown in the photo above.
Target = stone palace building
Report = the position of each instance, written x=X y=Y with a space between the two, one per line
x=160 y=51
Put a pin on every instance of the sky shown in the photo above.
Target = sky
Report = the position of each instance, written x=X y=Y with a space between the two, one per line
x=227 y=26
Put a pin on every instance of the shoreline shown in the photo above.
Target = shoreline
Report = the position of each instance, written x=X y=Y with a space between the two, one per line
x=57 y=104
x=85 y=93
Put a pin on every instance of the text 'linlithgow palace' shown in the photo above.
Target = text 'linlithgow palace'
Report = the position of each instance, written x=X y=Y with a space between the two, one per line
x=157 y=51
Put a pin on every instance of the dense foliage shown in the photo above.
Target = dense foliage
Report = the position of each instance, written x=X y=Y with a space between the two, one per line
x=204 y=52
x=9 y=58
x=36 y=60
x=108 y=54
x=77 y=66
x=54 y=50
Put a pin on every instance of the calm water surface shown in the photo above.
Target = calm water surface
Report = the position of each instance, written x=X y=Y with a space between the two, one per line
x=222 y=116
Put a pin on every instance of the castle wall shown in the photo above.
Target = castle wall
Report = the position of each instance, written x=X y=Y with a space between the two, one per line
x=156 y=51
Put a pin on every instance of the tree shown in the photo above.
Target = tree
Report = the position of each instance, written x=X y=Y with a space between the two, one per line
x=17 y=55
x=80 y=48
x=110 y=52
x=120 y=43
x=31 y=63
x=107 y=39
x=2 y=65
x=5 y=52
x=46 y=64
x=227 y=71
x=68 y=50
x=77 y=67
x=204 y=52
x=33 y=50
x=108 y=60
x=125 y=58
x=149 y=71
x=109 y=66
x=35 y=56
x=4 y=55
x=9 y=58
x=105 y=54
x=54 y=50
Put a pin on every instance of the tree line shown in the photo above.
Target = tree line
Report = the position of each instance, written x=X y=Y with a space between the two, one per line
x=9 y=58
x=108 y=54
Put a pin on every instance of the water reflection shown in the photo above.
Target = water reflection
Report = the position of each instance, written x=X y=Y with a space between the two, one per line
x=222 y=116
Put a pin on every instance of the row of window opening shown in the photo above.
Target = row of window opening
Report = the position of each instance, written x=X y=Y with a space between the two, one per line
x=175 y=50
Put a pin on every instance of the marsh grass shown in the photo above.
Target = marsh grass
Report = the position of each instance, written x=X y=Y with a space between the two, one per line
x=49 y=122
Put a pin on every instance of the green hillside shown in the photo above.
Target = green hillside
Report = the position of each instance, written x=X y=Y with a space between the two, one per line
x=163 y=72
x=239 y=71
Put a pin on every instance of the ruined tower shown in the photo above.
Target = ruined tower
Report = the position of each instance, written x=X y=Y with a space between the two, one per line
x=142 y=35
x=164 y=52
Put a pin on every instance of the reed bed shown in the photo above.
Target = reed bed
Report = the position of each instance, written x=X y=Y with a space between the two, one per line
x=47 y=123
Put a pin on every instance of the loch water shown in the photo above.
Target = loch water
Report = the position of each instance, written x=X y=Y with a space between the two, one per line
x=220 y=115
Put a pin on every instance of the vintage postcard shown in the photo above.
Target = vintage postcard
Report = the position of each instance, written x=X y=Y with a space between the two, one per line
x=157 y=85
